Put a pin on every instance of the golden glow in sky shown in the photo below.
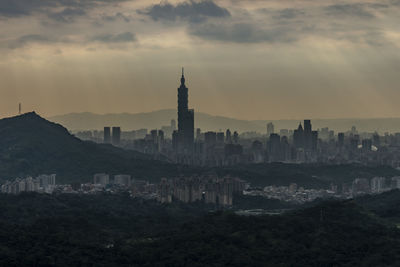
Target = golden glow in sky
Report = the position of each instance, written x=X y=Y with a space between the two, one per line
x=245 y=59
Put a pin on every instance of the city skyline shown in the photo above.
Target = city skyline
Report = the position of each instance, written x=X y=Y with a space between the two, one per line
x=298 y=59
x=199 y=133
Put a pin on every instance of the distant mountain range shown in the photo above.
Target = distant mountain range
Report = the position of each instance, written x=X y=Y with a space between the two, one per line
x=156 y=119
x=31 y=145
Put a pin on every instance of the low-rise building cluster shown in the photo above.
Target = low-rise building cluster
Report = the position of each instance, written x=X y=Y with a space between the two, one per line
x=102 y=183
x=295 y=194
x=292 y=193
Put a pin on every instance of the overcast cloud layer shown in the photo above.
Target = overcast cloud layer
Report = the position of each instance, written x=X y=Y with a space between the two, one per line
x=247 y=59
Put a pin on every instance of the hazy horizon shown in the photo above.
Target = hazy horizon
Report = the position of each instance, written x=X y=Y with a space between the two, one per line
x=218 y=115
x=208 y=122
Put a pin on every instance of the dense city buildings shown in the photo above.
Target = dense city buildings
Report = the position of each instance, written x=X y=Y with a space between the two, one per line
x=208 y=189
x=227 y=147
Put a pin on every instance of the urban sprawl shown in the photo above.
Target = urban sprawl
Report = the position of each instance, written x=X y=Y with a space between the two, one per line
x=184 y=145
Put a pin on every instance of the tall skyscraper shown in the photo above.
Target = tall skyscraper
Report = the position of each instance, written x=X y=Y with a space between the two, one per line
x=198 y=134
x=298 y=137
x=107 y=135
x=185 y=120
x=116 y=135
x=308 y=136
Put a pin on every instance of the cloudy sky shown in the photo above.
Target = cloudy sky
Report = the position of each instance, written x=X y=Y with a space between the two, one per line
x=255 y=59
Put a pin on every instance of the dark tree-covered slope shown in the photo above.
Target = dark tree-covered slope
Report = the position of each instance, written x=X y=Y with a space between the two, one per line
x=31 y=145
x=115 y=230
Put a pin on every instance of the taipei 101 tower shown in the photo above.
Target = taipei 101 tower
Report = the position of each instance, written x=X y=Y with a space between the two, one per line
x=185 y=120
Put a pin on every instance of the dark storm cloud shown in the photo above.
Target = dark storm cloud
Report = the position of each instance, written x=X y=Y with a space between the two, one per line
x=289 y=13
x=25 y=40
x=29 y=38
x=271 y=25
x=67 y=15
x=125 y=37
x=116 y=17
x=286 y=13
x=33 y=37
x=241 y=33
x=361 y=10
x=194 y=11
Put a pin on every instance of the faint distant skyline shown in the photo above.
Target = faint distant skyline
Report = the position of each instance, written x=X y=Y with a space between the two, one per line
x=278 y=59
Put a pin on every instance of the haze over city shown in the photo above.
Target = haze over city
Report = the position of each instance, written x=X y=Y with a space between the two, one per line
x=244 y=59
x=199 y=133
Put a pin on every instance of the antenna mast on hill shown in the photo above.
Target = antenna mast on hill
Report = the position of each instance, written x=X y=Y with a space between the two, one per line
x=19 y=109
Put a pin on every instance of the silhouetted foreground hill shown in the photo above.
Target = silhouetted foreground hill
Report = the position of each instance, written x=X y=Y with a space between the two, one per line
x=116 y=230
x=31 y=145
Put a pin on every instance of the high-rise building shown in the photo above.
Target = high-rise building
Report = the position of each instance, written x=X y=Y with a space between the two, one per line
x=198 y=134
x=378 y=184
x=366 y=144
x=341 y=139
x=376 y=140
x=220 y=138
x=274 y=147
x=185 y=120
x=160 y=136
x=210 y=139
x=116 y=135
x=228 y=135
x=173 y=125
x=46 y=180
x=298 y=137
x=107 y=135
x=308 y=136
x=101 y=178
x=270 y=129
x=314 y=140
x=122 y=179
x=154 y=135
x=395 y=182
x=175 y=140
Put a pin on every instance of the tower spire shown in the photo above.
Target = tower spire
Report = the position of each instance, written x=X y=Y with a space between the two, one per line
x=183 y=76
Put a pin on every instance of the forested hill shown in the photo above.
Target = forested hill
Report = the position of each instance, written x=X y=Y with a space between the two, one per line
x=116 y=230
x=31 y=145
